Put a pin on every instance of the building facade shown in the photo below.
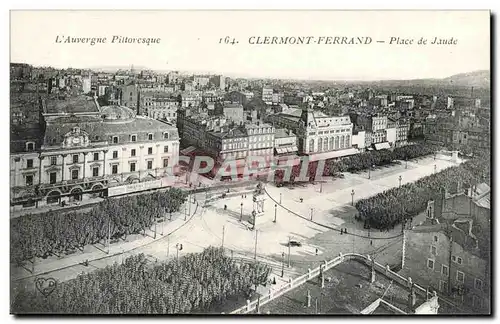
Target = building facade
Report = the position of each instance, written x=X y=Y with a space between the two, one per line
x=83 y=154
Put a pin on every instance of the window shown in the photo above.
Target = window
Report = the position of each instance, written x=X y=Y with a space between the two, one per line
x=115 y=139
x=150 y=137
x=443 y=286
x=132 y=152
x=74 y=174
x=95 y=171
x=114 y=169
x=150 y=165
x=459 y=260
x=435 y=238
x=53 y=177
x=165 y=163
x=165 y=149
x=30 y=146
x=150 y=150
x=454 y=258
x=96 y=156
x=444 y=270
x=478 y=284
x=433 y=250
x=115 y=154
x=53 y=160
x=430 y=264
x=75 y=158
x=29 y=180
x=133 y=138
x=132 y=167
x=460 y=276
x=29 y=163
x=477 y=301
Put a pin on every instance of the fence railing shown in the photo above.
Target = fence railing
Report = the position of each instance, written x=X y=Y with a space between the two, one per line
x=311 y=274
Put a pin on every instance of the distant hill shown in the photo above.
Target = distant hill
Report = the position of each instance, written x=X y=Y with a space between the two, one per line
x=479 y=78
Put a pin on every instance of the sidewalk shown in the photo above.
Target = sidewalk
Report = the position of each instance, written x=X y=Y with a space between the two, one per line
x=98 y=251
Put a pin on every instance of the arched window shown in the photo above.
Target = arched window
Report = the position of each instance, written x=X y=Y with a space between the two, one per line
x=331 y=143
x=336 y=142
x=320 y=144
x=311 y=145
x=342 y=142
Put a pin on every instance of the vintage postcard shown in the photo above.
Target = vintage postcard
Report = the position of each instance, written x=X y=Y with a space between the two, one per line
x=250 y=162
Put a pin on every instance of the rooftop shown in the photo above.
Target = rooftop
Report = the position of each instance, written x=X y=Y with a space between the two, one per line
x=79 y=104
x=347 y=291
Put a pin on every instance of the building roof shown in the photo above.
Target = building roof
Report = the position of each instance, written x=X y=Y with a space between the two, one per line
x=282 y=132
x=78 y=104
x=99 y=129
x=120 y=113
x=460 y=237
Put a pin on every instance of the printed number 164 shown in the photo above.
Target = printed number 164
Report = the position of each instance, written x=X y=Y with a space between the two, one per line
x=228 y=40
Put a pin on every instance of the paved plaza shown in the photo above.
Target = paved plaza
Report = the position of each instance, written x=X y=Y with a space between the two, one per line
x=219 y=223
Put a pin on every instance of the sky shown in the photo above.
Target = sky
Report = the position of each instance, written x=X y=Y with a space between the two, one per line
x=190 y=41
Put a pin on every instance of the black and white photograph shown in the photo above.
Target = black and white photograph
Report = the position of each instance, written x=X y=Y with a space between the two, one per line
x=241 y=163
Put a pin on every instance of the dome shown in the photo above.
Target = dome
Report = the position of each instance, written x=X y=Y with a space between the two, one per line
x=118 y=113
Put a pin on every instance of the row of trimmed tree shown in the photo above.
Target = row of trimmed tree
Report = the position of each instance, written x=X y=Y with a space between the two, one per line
x=59 y=232
x=393 y=206
x=193 y=283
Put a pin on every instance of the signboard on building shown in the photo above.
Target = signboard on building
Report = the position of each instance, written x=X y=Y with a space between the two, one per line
x=134 y=187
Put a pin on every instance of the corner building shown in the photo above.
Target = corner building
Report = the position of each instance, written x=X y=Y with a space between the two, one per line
x=86 y=149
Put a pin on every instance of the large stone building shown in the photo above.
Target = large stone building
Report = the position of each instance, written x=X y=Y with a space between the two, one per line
x=86 y=149
x=318 y=134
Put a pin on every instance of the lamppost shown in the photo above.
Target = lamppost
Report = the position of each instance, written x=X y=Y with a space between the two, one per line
x=275 y=212
x=312 y=213
x=280 y=198
x=400 y=181
x=179 y=247
x=282 y=264
x=369 y=171
x=321 y=187
x=435 y=168
x=352 y=197
x=241 y=212
x=406 y=166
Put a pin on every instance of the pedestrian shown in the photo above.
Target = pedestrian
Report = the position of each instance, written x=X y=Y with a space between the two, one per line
x=345 y=230
x=371 y=242
x=301 y=200
x=225 y=207
x=274 y=280
x=316 y=251
x=341 y=231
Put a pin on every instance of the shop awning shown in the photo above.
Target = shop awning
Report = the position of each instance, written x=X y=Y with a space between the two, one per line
x=381 y=146
x=332 y=154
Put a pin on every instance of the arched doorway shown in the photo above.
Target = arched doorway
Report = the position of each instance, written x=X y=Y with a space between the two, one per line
x=133 y=179
x=97 y=191
x=54 y=197
x=76 y=194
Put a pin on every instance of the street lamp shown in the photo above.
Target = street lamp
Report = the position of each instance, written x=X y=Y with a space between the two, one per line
x=406 y=166
x=280 y=198
x=241 y=213
x=178 y=247
x=352 y=197
x=400 y=181
x=369 y=171
x=312 y=213
x=275 y=212
x=282 y=264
